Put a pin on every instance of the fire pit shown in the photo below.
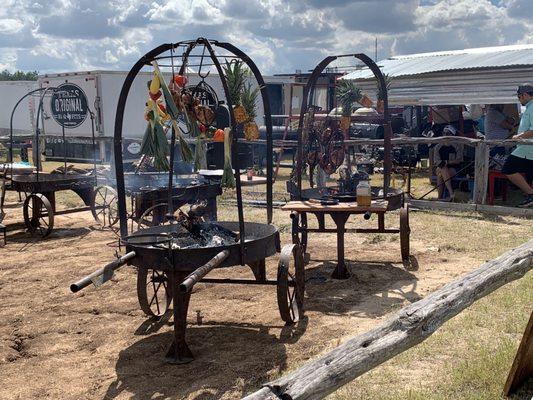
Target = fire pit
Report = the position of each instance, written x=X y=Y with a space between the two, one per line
x=172 y=257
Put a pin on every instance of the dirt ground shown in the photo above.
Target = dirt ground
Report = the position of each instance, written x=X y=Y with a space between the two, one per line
x=98 y=344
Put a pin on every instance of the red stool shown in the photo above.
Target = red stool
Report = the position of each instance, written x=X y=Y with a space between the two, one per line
x=493 y=175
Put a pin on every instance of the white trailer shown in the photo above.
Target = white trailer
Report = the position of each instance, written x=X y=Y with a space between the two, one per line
x=23 y=120
x=102 y=90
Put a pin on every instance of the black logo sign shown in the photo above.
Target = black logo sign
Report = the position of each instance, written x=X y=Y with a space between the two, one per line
x=69 y=105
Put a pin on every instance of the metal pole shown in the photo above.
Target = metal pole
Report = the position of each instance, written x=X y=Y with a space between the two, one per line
x=117 y=138
x=64 y=149
x=170 y=211
x=235 y=147
x=94 y=145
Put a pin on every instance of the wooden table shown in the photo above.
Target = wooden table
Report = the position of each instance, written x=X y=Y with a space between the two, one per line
x=339 y=214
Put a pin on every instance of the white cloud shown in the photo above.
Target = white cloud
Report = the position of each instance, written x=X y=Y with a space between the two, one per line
x=281 y=36
x=9 y=26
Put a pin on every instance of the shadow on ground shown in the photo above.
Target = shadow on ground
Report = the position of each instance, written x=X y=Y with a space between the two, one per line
x=373 y=289
x=228 y=358
x=24 y=237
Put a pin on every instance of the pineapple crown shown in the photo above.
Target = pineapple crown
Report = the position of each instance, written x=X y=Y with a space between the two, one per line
x=248 y=99
x=347 y=94
x=235 y=73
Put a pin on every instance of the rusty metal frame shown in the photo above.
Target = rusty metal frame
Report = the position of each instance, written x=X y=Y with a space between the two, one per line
x=308 y=95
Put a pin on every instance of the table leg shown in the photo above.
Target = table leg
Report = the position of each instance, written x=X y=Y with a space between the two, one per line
x=381 y=222
x=340 y=272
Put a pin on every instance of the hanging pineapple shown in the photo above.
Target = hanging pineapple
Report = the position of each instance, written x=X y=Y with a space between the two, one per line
x=248 y=101
x=235 y=73
x=347 y=94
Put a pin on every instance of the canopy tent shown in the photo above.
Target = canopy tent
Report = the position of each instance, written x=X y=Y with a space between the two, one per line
x=487 y=75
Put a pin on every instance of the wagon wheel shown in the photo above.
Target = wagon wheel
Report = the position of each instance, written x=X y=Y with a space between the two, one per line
x=38 y=214
x=405 y=232
x=104 y=205
x=154 y=292
x=153 y=216
x=291 y=284
x=299 y=237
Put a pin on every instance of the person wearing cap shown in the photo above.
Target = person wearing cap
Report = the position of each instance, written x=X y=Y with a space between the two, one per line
x=521 y=159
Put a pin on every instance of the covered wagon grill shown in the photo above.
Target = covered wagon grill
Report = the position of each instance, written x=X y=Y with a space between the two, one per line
x=178 y=251
x=324 y=142
x=40 y=188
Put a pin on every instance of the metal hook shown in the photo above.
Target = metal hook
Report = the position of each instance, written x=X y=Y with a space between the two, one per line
x=200 y=67
x=172 y=62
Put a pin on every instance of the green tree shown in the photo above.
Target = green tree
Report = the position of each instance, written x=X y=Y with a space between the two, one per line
x=5 y=75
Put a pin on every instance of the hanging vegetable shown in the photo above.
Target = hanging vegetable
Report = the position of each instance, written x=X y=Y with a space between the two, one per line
x=228 y=180
x=155 y=142
x=173 y=113
x=200 y=160
x=180 y=80
x=218 y=136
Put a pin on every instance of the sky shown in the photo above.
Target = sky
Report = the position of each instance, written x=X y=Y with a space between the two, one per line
x=280 y=36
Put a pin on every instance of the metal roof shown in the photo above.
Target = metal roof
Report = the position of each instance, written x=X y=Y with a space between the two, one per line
x=468 y=59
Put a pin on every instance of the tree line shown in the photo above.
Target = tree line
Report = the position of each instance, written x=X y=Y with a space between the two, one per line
x=5 y=75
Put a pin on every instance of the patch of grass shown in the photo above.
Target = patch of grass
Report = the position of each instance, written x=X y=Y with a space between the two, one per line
x=468 y=358
x=375 y=239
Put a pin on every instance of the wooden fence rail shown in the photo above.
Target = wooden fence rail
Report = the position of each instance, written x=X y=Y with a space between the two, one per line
x=410 y=326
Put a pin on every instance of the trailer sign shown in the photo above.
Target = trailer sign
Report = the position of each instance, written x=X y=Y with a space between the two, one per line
x=69 y=105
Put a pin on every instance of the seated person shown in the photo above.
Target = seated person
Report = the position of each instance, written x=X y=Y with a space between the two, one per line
x=498 y=126
x=447 y=157
x=443 y=116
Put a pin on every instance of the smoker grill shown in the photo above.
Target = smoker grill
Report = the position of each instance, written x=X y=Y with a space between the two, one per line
x=179 y=252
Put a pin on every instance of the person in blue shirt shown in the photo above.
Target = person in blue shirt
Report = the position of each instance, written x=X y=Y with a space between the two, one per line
x=521 y=159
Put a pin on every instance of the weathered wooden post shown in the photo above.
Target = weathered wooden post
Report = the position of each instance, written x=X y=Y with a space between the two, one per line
x=481 y=176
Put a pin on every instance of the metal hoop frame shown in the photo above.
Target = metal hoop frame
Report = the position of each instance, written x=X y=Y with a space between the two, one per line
x=44 y=91
x=189 y=45
x=307 y=98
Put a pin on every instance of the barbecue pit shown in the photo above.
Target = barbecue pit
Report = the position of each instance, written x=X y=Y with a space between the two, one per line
x=173 y=256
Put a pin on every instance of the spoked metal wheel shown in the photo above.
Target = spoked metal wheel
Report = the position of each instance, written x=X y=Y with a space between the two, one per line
x=154 y=292
x=153 y=216
x=299 y=231
x=104 y=205
x=291 y=284
x=405 y=232
x=38 y=214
